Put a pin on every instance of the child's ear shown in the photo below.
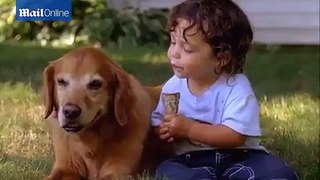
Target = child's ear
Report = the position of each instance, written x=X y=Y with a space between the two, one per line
x=224 y=58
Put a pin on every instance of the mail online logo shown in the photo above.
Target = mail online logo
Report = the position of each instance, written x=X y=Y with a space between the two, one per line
x=43 y=10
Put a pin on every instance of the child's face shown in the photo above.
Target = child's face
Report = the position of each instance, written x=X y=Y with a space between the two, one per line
x=192 y=58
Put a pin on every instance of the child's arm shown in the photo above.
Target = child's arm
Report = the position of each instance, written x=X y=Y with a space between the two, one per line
x=215 y=135
x=240 y=119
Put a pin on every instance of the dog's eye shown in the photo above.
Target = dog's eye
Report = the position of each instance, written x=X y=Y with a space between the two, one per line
x=94 y=85
x=62 y=82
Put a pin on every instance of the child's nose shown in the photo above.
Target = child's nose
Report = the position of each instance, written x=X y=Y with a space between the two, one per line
x=175 y=52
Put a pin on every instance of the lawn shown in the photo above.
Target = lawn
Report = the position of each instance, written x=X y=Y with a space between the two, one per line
x=286 y=80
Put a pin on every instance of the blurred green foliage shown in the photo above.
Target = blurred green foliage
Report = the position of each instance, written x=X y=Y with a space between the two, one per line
x=7 y=3
x=92 y=22
x=127 y=27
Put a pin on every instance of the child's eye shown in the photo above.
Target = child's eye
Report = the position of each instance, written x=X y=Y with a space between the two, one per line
x=172 y=43
x=188 y=51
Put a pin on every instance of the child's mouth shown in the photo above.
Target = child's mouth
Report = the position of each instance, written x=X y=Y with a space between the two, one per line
x=175 y=67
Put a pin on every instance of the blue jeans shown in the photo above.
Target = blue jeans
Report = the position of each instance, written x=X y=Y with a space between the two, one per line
x=225 y=164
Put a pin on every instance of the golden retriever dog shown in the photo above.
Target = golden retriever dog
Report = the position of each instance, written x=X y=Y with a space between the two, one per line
x=103 y=117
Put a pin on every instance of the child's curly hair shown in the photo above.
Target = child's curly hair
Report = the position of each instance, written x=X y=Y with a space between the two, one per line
x=225 y=26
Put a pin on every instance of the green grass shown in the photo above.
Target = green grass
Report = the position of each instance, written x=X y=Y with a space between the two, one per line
x=286 y=80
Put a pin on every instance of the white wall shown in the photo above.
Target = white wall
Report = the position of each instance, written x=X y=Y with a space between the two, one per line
x=283 y=21
x=273 y=21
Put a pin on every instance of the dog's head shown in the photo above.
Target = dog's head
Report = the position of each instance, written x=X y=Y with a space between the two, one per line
x=84 y=85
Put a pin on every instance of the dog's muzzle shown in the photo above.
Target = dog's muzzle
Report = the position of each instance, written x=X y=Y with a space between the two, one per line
x=73 y=125
x=71 y=112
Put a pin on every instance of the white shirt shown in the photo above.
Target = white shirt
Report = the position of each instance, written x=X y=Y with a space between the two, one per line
x=229 y=101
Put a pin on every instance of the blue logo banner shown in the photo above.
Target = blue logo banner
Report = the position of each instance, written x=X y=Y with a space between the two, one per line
x=43 y=10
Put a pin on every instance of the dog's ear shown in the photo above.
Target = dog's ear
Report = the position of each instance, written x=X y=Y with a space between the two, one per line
x=124 y=98
x=48 y=89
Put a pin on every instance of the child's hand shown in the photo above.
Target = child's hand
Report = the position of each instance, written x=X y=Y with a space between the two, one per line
x=162 y=133
x=178 y=125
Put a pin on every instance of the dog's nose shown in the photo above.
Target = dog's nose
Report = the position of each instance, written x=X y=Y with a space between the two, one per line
x=71 y=111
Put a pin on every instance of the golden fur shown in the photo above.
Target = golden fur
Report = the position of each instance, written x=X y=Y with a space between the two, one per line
x=112 y=133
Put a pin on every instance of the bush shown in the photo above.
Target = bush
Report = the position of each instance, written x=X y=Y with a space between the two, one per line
x=47 y=31
x=128 y=27
x=92 y=22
